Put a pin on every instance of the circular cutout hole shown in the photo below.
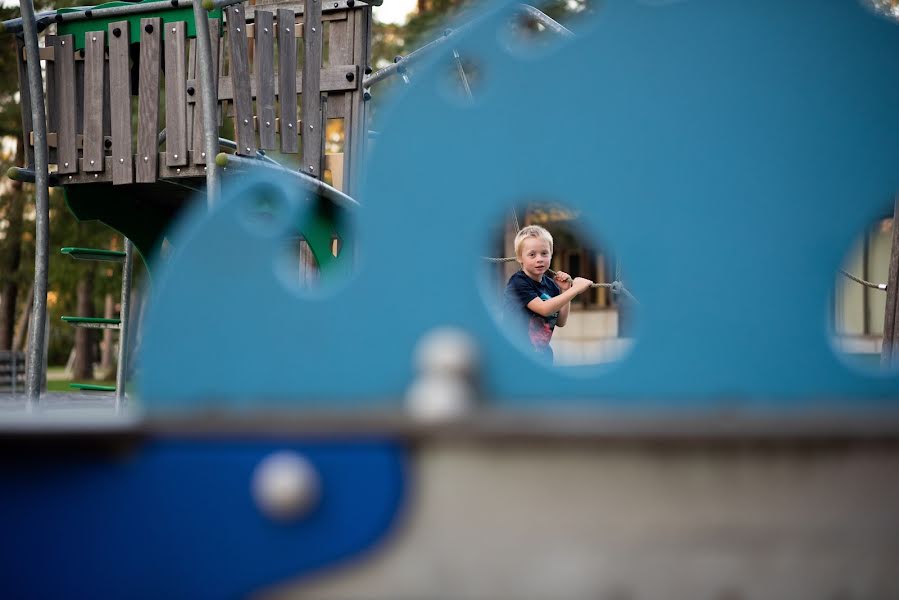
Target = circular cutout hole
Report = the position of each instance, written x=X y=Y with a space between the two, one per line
x=533 y=29
x=556 y=289
x=264 y=210
x=320 y=253
x=858 y=313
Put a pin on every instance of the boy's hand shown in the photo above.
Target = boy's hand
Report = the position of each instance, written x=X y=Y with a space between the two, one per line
x=580 y=284
x=563 y=280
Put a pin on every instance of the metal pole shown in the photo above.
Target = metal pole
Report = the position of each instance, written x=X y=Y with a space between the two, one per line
x=86 y=13
x=408 y=59
x=538 y=15
x=462 y=75
x=124 y=319
x=42 y=201
x=545 y=20
x=29 y=176
x=316 y=186
x=208 y=96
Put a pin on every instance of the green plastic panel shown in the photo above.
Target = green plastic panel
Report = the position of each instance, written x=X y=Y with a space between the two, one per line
x=96 y=320
x=318 y=232
x=91 y=387
x=94 y=254
x=141 y=212
x=166 y=12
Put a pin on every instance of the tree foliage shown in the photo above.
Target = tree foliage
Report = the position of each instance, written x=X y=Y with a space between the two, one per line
x=17 y=206
x=390 y=41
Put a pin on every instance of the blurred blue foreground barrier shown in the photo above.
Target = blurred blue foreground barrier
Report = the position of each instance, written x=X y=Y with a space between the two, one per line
x=729 y=151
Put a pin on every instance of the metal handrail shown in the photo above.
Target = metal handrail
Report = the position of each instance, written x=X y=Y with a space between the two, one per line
x=316 y=185
x=85 y=13
x=36 y=342
x=401 y=62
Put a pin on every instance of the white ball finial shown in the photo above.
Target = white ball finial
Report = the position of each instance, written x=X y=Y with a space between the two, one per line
x=446 y=350
x=285 y=486
x=444 y=389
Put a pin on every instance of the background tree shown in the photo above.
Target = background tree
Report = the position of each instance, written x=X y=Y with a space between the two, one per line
x=426 y=24
x=12 y=196
x=67 y=277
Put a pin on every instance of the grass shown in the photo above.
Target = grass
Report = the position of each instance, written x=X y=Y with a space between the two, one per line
x=62 y=385
x=57 y=381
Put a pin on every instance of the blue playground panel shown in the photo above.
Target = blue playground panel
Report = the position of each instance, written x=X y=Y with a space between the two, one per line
x=174 y=518
x=729 y=151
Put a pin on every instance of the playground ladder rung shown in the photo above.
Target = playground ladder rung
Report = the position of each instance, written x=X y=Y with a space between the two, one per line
x=91 y=387
x=94 y=322
x=94 y=254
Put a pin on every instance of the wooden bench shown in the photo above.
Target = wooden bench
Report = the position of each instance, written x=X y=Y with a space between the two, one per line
x=12 y=371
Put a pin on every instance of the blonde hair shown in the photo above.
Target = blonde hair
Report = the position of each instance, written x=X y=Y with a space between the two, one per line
x=532 y=231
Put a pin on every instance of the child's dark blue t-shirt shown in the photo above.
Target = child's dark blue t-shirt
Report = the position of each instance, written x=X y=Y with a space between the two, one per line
x=520 y=290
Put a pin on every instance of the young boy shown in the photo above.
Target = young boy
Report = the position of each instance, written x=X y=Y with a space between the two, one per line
x=532 y=302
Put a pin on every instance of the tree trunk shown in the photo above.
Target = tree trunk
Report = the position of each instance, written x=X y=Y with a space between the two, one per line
x=21 y=332
x=84 y=358
x=107 y=347
x=11 y=257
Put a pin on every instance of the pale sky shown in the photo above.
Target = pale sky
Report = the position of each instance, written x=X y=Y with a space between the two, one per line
x=394 y=11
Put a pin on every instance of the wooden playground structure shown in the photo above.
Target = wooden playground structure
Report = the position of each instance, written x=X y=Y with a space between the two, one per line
x=119 y=121
x=99 y=70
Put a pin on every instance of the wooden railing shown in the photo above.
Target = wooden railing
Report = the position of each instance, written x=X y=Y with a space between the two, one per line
x=108 y=99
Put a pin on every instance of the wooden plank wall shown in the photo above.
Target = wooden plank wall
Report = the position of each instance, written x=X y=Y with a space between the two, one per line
x=90 y=93
x=24 y=102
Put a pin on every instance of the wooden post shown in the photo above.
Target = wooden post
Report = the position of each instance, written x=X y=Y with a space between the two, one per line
x=265 y=78
x=287 y=76
x=890 y=322
x=244 y=126
x=313 y=136
x=94 y=72
x=120 y=98
x=175 y=94
x=148 y=99
x=66 y=148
